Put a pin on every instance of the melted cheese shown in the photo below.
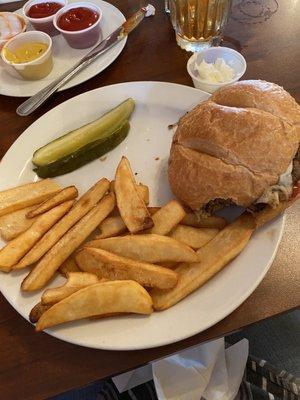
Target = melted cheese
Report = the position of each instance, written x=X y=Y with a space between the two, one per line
x=282 y=191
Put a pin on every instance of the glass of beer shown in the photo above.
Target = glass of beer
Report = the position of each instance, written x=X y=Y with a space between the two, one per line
x=198 y=23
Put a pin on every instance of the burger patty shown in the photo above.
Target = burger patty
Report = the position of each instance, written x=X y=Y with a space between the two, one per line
x=272 y=196
x=217 y=204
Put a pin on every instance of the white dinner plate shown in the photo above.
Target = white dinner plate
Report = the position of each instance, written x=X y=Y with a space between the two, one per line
x=147 y=147
x=65 y=56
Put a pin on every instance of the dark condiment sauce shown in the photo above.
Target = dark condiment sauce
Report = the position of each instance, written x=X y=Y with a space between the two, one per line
x=42 y=10
x=296 y=190
x=77 y=19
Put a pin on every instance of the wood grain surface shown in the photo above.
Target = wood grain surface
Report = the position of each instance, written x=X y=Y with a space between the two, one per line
x=36 y=366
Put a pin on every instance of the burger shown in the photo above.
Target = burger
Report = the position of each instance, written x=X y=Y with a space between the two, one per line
x=240 y=147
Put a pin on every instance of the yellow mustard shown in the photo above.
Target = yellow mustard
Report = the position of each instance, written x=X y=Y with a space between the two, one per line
x=26 y=53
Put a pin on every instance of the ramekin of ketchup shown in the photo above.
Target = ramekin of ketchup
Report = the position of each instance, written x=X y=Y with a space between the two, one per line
x=79 y=23
x=40 y=13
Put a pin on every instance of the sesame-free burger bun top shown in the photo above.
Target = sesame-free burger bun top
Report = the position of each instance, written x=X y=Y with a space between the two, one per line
x=265 y=96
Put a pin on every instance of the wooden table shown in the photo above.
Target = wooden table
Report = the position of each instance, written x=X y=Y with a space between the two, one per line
x=36 y=366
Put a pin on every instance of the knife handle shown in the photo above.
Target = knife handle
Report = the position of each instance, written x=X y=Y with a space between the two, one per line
x=39 y=98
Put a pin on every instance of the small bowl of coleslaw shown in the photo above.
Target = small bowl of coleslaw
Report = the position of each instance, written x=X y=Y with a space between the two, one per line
x=216 y=67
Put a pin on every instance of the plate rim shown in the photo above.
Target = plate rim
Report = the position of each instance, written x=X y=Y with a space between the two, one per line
x=165 y=341
x=69 y=84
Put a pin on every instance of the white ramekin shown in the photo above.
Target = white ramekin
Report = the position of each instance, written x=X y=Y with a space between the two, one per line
x=32 y=70
x=42 y=24
x=233 y=58
x=24 y=23
x=86 y=37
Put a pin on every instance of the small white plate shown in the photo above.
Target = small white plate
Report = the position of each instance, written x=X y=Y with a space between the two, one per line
x=147 y=147
x=65 y=56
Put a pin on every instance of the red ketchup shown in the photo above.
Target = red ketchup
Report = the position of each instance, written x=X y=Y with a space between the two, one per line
x=77 y=19
x=43 y=10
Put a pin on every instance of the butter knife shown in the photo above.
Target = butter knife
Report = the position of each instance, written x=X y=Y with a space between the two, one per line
x=119 y=34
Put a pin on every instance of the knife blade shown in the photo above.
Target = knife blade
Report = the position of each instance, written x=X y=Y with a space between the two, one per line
x=119 y=34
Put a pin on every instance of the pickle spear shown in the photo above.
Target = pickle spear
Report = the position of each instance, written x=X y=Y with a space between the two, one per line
x=84 y=155
x=63 y=148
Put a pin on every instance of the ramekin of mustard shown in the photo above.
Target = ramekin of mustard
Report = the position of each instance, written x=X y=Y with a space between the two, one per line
x=28 y=55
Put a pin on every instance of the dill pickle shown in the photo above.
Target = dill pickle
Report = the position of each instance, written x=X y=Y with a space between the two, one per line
x=84 y=155
x=64 y=147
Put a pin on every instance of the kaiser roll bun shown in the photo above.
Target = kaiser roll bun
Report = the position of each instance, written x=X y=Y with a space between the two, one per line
x=235 y=145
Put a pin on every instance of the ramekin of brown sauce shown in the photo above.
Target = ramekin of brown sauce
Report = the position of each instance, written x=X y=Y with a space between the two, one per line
x=79 y=23
x=40 y=13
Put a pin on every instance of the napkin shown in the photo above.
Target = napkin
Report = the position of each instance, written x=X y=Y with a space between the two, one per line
x=134 y=378
x=207 y=371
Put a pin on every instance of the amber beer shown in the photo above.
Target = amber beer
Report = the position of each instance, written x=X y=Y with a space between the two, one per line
x=198 y=23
